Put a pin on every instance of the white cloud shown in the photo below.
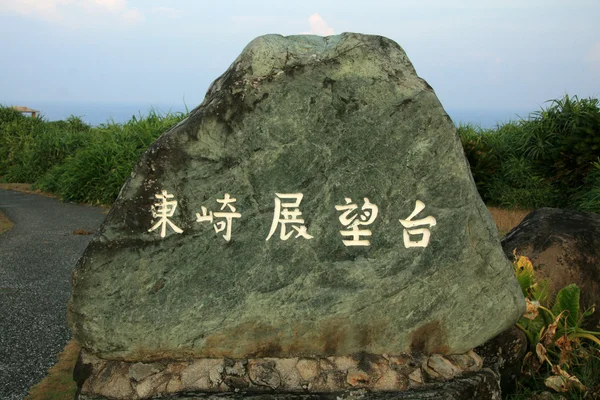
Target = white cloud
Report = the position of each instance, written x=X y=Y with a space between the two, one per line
x=318 y=26
x=70 y=12
x=115 y=6
x=168 y=12
x=46 y=9
x=593 y=55
x=132 y=16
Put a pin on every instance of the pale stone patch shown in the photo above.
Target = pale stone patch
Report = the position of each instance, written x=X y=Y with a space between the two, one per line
x=416 y=378
x=391 y=381
x=203 y=374
x=343 y=363
x=307 y=368
x=174 y=385
x=140 y=371
x=145 y=389
x=440 y=368
x=290 y=377
x=467 y=362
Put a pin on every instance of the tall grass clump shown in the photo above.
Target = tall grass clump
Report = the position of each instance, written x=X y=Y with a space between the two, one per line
x=95 y=173
x=590 y=200
x=72 y=159
x=546 y=160
x=29 y=147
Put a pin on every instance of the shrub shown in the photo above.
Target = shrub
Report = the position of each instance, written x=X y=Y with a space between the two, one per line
x=31 y=146
x=483 y=158
x=73 y=159
x=590 y=200
x=96 y=172
x=518 y=185
x=564 y=141
x=546 y=160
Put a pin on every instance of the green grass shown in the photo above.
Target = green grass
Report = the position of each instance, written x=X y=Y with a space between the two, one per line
x=74 y=160
x=550 y=159
x=59 y=383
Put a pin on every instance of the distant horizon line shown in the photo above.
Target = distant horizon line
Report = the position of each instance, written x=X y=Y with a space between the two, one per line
x=164 y=103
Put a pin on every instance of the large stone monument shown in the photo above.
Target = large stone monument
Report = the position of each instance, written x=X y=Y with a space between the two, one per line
x=311 y=227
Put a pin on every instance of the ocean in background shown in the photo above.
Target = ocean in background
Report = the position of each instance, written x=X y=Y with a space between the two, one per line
x=100 y=113
x=97 y=113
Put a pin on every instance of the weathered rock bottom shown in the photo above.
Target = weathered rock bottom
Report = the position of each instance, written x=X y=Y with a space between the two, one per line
x=483 y=373
x=358 y=375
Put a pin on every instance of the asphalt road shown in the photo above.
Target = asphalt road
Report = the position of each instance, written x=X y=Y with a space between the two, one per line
x=36 y=259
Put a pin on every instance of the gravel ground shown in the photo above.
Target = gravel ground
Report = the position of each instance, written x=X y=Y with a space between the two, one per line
x=36 y=259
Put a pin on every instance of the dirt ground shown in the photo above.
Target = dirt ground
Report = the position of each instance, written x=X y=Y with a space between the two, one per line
x=5 y=223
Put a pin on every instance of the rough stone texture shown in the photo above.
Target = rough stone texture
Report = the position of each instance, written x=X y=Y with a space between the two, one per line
x=504 y=354
x=564 y=247
x=367 y=372
x=332 y=118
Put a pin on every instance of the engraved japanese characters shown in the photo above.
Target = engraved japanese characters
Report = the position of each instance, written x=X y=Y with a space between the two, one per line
x=288 y=215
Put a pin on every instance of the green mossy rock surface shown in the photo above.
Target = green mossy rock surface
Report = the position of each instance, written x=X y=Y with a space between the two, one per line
x=332 y=118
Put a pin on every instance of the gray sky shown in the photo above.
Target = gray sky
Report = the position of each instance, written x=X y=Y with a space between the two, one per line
x=485 y=54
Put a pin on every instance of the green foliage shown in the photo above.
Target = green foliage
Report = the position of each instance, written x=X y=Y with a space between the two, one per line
x=573 y=136
x=546 y=160
x=483 y=158
x=562 y=355
x=590 y=199
x=30 y=146
x=72 y=159
x=525 y=274
x=503 y=176
x=567 y=299
x=9 y=114
x=518 y=185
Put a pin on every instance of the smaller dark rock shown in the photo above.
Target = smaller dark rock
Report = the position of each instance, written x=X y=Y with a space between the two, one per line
x=504 y=354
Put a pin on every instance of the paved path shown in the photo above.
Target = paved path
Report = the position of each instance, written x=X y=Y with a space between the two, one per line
x=36 y=259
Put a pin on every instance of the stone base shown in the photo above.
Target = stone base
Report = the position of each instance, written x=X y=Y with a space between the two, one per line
x=481 y=385
x=474 y=375
x=369 y=372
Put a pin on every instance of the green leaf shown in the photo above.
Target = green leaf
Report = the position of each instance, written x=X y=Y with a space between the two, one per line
x=589 y=312
x=540 y=291
x=568 y=299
